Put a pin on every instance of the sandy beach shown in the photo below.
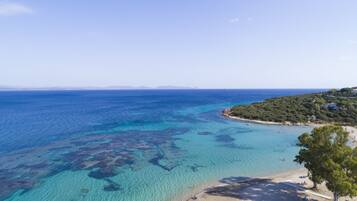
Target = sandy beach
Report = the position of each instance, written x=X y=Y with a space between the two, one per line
x=226 y=113
x=290 y=185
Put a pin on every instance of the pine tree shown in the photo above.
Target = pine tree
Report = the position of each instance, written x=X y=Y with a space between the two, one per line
x=327 y=157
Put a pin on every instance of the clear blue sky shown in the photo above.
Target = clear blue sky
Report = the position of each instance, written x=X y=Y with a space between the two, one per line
x=196 y=43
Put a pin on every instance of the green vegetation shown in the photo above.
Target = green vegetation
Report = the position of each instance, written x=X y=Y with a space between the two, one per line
x=334 y=106
x=328 y=159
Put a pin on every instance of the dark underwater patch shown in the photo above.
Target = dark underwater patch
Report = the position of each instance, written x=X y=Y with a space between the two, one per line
x=112 y=186
x=156 y=161
x=84 y=192
x=244 y=147
x=195 y=167
x=101 y=154
x=205 y=133
x=102 y=173
x=224 y=138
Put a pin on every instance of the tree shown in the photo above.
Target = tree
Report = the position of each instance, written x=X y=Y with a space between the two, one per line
x=308 y=155
x=340 y=167
x=327 y=157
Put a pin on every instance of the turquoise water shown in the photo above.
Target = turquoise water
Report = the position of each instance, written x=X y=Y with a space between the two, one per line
x=130 y=146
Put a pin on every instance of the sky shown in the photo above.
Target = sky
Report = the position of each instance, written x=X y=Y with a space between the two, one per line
x=187 y=43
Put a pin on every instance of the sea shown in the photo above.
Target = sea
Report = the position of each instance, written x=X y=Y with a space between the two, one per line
x=133 y=145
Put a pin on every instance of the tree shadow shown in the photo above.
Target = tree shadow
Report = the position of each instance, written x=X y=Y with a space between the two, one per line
x=257 y=189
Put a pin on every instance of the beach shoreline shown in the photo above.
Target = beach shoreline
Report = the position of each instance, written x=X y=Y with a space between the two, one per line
x=350 y=129
x=291 y=185
x=201 y=193
x=296 y=177
x=226 y=113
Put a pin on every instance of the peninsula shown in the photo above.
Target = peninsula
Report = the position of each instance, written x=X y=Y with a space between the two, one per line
x=333 y=106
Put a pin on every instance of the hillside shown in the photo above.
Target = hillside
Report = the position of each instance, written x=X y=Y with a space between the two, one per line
x=334 y=106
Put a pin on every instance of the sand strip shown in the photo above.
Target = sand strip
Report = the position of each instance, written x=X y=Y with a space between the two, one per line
x=290 y=185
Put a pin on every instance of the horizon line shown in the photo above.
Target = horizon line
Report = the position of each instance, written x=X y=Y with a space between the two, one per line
x=3 y=89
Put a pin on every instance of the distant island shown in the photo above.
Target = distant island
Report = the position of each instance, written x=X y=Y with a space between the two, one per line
x=333 y=106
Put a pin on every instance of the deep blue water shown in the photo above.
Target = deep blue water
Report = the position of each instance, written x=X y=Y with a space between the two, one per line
x=68 y=130
x=34 y=118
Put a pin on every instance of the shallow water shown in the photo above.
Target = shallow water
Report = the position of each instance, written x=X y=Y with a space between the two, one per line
x=132 y=145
